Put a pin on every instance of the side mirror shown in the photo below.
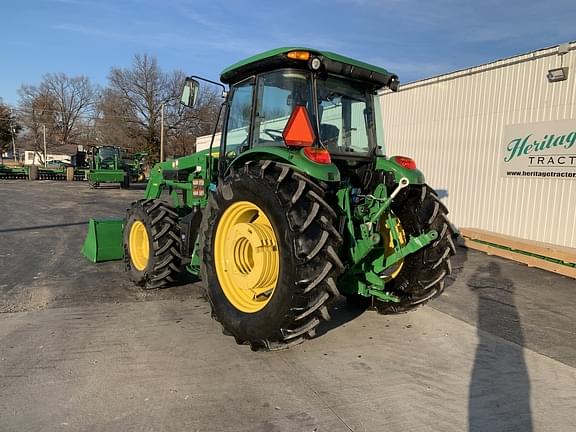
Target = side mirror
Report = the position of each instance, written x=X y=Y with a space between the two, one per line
x=190 y=92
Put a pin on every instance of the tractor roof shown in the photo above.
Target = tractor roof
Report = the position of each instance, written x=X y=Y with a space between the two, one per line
x=331 y=63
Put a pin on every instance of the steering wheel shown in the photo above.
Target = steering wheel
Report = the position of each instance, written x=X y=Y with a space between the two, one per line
x=275 y=134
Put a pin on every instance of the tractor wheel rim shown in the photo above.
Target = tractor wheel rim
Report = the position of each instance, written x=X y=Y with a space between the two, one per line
x=246 y=256
x=139 y=245
x=389 y=244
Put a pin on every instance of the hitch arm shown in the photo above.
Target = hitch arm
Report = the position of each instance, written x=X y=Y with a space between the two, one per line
x=401 y=185
x=414 y=245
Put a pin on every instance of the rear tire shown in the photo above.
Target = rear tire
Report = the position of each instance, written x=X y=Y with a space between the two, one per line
x=422 y=276
x=306 y=240
x=157 y=263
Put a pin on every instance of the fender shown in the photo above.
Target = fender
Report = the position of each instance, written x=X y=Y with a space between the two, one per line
x=414 y=176
x=294 y=157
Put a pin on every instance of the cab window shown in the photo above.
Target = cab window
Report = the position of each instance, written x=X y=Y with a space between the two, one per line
x=239 y=115
x=278 y=93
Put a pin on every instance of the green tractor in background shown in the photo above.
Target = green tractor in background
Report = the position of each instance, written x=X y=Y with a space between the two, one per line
x=106 y=165
x=298 y=205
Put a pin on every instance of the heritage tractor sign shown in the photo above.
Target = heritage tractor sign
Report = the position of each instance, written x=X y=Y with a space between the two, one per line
x=540 y=150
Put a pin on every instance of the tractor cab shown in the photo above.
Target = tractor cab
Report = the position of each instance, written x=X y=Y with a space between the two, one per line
x=106 y=157
x=318 y=103
x=107 y=166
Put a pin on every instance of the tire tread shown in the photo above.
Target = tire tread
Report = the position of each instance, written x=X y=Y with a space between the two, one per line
x=161 y=223
x=310 y=226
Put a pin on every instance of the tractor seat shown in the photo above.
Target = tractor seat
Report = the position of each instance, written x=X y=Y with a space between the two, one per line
x=329 y=135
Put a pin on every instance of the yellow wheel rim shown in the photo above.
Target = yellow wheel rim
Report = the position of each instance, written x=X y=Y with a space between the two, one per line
x=389 y=244
x=246 y=256
x=139 y=245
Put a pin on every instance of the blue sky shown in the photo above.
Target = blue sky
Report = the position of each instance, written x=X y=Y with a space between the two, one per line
x=416 y=39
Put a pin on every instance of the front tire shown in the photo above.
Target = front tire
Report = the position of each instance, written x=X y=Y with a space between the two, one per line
x=269 y=259
x=152 y=244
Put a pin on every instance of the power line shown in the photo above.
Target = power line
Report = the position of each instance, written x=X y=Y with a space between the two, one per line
x=82 y=116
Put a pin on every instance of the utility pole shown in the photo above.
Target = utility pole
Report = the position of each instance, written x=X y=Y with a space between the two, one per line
x=45 y=152
x=13 y=143
x=162 y=134
x=12 y=131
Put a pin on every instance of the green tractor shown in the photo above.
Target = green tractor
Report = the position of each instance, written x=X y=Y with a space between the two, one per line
x=107 y=166
x=298 y=205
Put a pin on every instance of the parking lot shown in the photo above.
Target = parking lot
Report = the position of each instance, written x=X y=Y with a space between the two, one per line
x=83 y=349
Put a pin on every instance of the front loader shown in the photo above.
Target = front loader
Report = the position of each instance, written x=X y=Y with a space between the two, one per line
x=296 y=205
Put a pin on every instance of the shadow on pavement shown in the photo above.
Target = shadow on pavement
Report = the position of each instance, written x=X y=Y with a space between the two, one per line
x=184 y=278
x=138 y=186
x=340 y=313
x=499 y=397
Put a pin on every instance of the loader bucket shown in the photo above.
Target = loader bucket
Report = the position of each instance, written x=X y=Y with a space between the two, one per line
x=104 y=240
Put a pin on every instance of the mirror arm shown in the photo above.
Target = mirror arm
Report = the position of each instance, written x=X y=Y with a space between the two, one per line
x=210 y=81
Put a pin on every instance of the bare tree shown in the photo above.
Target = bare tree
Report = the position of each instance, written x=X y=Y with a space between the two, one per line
x=75 y=99
x=64 y=105
x=37 y=110
x=9 y=127
x=142 y=90
x=118 y=123
x=135 y=99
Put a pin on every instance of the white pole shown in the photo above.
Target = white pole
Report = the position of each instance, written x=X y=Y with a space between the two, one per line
x=13 y=145
x=45 y=152
x=162 y=134
x=12 y=130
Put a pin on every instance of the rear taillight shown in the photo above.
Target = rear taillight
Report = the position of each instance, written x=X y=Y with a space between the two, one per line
x=405 y=162
x=318 y=155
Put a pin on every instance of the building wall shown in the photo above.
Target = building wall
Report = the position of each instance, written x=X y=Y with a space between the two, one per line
x=36 y=158
x=453 y=126
x=203 y=142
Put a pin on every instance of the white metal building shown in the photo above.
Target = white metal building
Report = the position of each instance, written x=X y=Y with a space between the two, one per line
x=36 y=158
x=497 y=141
x=203 y=142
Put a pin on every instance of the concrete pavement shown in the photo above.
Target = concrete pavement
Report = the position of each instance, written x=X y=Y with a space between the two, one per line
x=83 y=350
